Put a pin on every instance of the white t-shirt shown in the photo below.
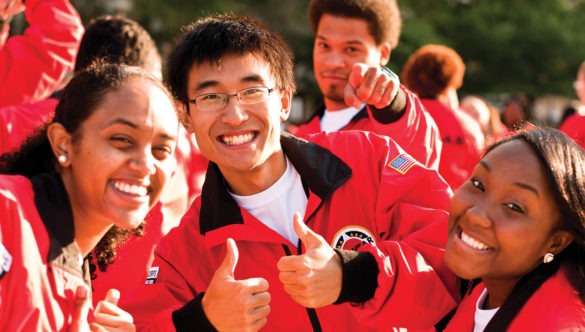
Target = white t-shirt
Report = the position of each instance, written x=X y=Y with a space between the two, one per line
x=276 y=206
x=335 y=120
x=482 y=316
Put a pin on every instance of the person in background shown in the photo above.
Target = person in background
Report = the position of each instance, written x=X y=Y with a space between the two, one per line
x=33 y=64
x=282 y=236
x=103 y=161
x=487 y=116
x=516 y=113
x=353 y=43
x=517 y=230
x=115 y=38
x=574 y=126
x=435 y=73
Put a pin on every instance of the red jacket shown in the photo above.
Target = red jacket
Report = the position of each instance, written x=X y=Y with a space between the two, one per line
x=463 y=142
x=555 y=306
x=415 y=131
x=379 y=195
x=37 y=289
x=17 y=122
x=32 y=65
x=574 y=127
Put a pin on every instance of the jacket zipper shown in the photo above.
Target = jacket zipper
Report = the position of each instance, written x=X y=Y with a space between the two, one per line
x=310 y=311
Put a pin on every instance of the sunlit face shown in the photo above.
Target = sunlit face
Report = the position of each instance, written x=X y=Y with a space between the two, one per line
x=501 y=221
x=124 y=157
x=242 y=140
x=339 y=44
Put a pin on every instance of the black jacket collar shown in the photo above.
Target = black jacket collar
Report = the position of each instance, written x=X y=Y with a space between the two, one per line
x=54 y=209
x=321 y=172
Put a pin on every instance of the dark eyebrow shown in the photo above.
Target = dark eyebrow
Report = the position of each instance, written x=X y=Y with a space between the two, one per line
x=356 y=41
x=245 y=79
x=518 y=184
x=121 y=121
x=527 y=187
x=133 y=125
x=168 y=136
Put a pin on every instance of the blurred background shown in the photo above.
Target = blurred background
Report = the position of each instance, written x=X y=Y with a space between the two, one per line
x=532 y=48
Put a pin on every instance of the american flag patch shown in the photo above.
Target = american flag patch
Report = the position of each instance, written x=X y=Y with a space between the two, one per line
x=402 y=163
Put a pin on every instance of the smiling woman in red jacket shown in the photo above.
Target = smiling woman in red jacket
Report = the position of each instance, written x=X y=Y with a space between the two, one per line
x=518 y=228
x=103 y=161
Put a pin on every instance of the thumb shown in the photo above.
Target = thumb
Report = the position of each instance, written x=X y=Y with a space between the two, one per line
x=113 y=296
x=305 y=234
x=228 y=266
x=80 y=310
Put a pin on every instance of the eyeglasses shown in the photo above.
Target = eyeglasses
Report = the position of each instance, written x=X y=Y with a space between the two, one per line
x=578 y=84
x=216 y=101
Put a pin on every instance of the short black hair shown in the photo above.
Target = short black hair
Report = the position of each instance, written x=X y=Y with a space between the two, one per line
x=210 y=38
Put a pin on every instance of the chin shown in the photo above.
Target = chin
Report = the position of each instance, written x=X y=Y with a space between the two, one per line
x=130 y=221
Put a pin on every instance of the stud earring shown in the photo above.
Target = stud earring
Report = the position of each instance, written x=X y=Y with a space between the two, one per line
x=62 y=159
x=548 y=258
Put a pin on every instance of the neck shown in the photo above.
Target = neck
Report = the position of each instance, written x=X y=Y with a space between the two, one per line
x=88 y=229
x=449 y=99
x=498 y=291
x=334 y=105
x=259 y=178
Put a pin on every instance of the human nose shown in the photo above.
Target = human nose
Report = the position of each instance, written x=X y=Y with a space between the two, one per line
x=143 y=162
x=333 y=59
x=234 y=113
x=477 y=215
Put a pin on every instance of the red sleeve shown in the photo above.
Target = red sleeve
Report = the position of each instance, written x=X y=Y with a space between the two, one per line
x=177 y=275
x=412 y=213
x=415 y=131
x=19 y=121
x=32 y=65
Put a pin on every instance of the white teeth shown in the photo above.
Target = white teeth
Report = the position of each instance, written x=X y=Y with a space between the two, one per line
x=132 y=189
x=473 y=243
x=237 y=140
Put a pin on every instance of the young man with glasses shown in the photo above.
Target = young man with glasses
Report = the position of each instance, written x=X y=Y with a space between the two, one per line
x=288 y=234
x=574 y=126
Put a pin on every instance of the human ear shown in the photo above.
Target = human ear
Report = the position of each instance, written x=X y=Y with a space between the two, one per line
x=60 y=141
x=286 y=101
x=559 y=241
x=185 y=116
x=385 y=50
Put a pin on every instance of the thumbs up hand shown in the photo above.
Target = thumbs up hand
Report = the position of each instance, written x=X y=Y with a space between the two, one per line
x=231 y=304
x=110 y=317
x=80 y=310
x=312 y=279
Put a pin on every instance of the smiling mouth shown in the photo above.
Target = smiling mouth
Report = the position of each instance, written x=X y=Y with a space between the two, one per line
x=237 y=139
x=473 y=243
x=131 y=189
